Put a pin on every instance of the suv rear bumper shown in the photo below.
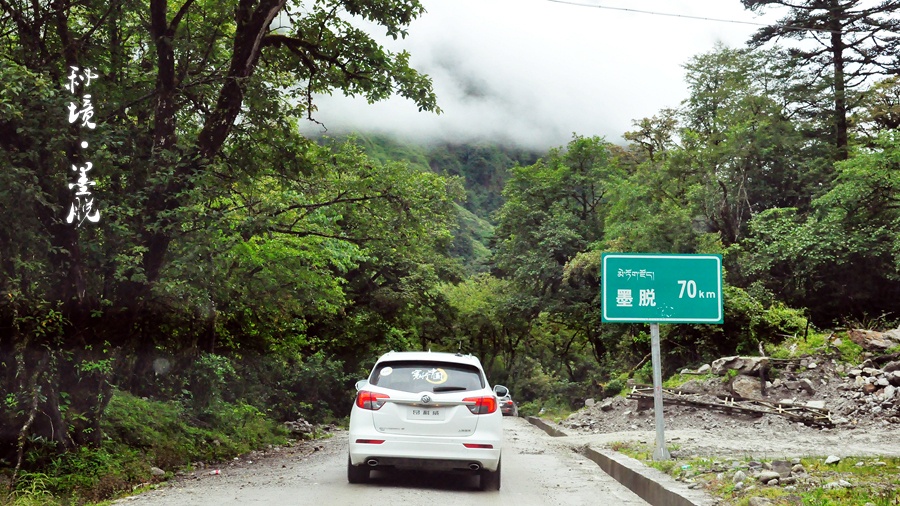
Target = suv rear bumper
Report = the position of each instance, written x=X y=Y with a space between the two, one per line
x=410 y=452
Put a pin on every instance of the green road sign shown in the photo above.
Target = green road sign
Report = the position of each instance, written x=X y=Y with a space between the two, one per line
x=661 y=288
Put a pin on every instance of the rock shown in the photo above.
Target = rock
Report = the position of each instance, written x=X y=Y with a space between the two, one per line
x=891 y=366
x=871 y=340
x=739 y=476
x=889 y=392
x=705 y=368
x=812 y=365
x=300 y=427
x=854 y=373
x=738 y=486
x=589 y=403
x=767 y=476
x=760 y=501
x=882 y=382
x=693 y=387
x=892 y=335
x=782 y=467
x=798 y=469
x=606 y=406
x=815 y=404
x=837 y=484
x=893 y=378
x=832 y=459
x=807 y=385
x=744 y=365
x=869 y=388
x=155 y=471
x=746 y=387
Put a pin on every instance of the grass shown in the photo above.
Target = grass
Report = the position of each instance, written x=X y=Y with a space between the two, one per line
x=556 y=411
x=874 y=480
x=819 y=343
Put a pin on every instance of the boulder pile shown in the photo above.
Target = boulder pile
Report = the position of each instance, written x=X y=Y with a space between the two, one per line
x=875 y=390
x=300 y=428
x=858 y=396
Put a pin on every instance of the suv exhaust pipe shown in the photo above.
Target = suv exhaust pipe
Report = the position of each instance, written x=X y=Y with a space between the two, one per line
x=372 y=462
x=474 y=466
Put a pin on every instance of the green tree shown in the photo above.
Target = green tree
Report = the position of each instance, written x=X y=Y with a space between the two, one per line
x=554 y=210
x=848 y=41
x=841 y=260
x=745 y=138
x=879 y=109
x=196 y=105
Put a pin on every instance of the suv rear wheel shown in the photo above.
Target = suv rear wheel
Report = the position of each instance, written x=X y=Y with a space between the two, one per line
x=357 y=474
x=490 y=480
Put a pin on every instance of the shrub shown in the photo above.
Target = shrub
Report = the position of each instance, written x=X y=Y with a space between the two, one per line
x=612 y=388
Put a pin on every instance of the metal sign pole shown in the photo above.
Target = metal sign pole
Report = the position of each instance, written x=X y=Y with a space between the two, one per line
x=660 y=452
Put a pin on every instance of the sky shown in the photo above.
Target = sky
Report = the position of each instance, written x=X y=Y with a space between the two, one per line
x=533 y=72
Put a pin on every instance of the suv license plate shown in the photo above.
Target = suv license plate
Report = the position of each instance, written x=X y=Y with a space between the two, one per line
x=426 y=413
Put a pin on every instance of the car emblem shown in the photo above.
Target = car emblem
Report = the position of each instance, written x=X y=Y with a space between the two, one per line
x=426 y=399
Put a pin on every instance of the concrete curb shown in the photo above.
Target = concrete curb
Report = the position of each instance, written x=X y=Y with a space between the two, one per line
x=545 y=426
x=651 y=485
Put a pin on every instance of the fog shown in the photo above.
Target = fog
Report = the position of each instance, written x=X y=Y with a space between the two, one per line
x=533 y=72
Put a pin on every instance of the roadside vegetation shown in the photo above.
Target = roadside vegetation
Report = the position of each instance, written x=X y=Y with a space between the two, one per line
x=242 y=276
x=866 y=480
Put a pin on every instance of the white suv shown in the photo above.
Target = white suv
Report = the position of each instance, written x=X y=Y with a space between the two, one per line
x=424 y=410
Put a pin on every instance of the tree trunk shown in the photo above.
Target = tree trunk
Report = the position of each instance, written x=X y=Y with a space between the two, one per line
x=840 y=88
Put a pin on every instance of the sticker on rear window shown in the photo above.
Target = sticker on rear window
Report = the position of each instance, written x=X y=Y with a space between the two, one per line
x=386 y=371
x=433 y=376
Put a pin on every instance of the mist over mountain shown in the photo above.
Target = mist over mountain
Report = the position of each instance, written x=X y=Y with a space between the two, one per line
x=531 y=72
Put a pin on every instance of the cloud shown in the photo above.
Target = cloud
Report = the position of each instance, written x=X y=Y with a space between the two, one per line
x=535 y=71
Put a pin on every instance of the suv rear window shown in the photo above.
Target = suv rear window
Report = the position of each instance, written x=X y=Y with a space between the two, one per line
x=424 y=376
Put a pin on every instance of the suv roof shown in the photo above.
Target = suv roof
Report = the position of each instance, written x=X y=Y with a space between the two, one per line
x=431 y=356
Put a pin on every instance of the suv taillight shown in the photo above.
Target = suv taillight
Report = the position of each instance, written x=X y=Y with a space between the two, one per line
x=483 y=405
x=370 y=400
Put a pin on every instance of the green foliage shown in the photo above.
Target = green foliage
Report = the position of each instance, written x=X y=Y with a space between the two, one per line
x=554 y=211
x=315 y=388
x=613 y=388
x=138 y=434
x=840 y=259
x=742 y=153
x=207 y=380
x=861 y=45
x=243 y=275
x=676 y=380
x=552 y=409
x=161 y=430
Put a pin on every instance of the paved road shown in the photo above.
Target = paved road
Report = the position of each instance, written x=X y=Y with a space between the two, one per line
x=537 y=470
